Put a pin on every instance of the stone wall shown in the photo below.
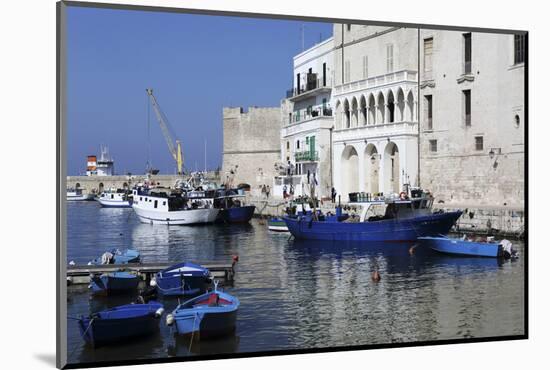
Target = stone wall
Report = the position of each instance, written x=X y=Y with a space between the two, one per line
x=95 y=183
x=251 y=145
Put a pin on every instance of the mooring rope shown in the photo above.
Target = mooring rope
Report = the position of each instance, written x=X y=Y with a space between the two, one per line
x=192 y=333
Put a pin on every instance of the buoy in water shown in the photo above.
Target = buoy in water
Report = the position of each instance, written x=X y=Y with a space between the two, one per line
x=411 y=249
x=376 y=276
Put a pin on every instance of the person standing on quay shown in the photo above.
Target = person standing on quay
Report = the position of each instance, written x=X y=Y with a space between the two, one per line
x=333 y=195
x=267 y=191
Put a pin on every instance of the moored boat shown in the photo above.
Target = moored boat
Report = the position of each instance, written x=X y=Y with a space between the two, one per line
x=117 y=257
x=401 y=219
x=115 y=198
x=277 y=224
x=185 y=278
x=78 y=195
x=114 y=283
x=232 y=207
x=120 y=323
x=209 y=315
x=172 y=207
x=464 y=247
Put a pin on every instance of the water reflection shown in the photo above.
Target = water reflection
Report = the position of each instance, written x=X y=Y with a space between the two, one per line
x=304 y=294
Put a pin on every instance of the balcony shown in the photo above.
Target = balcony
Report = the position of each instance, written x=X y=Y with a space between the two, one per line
x=313 y=87
x=377 y=81
x=306 y=156
x=311 y=112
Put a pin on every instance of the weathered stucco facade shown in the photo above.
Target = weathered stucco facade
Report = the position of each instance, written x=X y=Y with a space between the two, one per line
x=251 y=146
x=475 y=160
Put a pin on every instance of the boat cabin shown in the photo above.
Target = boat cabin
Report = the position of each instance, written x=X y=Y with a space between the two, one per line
x=165 y=199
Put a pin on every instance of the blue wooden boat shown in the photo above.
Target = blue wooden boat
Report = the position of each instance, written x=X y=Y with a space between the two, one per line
x=114 y=283
x=277 y=224
x=117 y=257
x=120 y=323
x=185 y=278
x=232 y=207
x=209 y=315
x=465 y=247
x=402 y=220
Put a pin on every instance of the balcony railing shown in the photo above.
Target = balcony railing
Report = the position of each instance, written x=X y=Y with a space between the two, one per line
x=377 y=81
x=312 y=83
x=310 y=112
x=306 y=156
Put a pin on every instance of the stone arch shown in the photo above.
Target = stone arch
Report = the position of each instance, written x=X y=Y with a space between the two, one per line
x=400 y=105
x=381 y=111
x=372 y=109
x=77 y=185
x=350 y=173
x=354 y=113
x=372 y=164
x=125 y=185
x=101 y=187
x=363 y=109
x=391 y=168
x=346 y=118
x=339 y=115
x=410 y=106
x=391 y=107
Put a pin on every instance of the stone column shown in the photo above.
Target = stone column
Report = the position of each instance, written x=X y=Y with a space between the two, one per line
x=360 y=147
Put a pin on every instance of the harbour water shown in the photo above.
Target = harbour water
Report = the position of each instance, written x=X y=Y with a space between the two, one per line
x=297 y=294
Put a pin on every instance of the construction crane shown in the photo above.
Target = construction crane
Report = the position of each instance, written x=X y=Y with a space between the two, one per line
x=174 y=144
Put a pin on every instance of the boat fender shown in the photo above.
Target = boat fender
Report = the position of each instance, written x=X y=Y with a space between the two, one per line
x=159 y=312
x=169 y=319
x=153 y=282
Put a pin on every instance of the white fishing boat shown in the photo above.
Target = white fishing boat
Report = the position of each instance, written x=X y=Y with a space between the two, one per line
x=172 y=207
x=77 y=195
x=115 y=198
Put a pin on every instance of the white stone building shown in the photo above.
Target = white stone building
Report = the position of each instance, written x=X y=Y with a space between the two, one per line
x=375 y=97
x=307 y=123
x=472 y=88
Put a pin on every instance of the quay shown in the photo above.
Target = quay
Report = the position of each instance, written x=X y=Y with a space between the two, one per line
x=80 y=274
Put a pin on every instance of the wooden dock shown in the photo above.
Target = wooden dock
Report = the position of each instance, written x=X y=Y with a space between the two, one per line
x=80 y=274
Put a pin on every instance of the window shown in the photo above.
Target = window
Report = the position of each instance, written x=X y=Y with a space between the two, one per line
x=307 y=140
x=429 y=110
x=287 y=145
x=467 y=52
x=347 y=71
x=519 y=49
x=298 y=144
x=433 y=146
x=349 y=26
x=389 y=58
x=479 y=142
x=156 y=203
x=164 y=203
x=467 y=97
x=428 y=50
x=365 y=66
x=140 y=198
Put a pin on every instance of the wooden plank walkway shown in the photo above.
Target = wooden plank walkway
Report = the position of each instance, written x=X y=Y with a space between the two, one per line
x=79 y=274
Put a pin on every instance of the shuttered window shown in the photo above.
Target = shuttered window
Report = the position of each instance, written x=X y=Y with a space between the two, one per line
x=389 y=58
x=365 y=66
x=428 y=51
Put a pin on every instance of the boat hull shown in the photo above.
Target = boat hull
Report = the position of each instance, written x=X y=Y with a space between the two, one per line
x=114 y=283
x=278 y=225
x=462 y=247
x=101 y=329
x=82 y=197
x=237 y=214
x=108 y=203
x=185 y=217
x=207 y=321
x=178 y=286
x=385 y=230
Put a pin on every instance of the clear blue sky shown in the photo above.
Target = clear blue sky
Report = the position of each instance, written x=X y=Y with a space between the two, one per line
x=195 y=64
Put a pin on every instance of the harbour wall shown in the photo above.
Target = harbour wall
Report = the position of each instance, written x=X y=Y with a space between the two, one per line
x=96 y=183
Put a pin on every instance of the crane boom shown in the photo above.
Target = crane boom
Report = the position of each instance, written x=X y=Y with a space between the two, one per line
x=175 y=149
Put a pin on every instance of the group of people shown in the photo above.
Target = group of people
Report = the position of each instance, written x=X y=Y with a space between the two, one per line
x=266 y=190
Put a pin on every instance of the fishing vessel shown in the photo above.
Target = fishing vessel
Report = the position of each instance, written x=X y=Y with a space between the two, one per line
x=232 y=207
x=78 y=195
x=391 y=219
x=209 y=315
x=120 y=323
x=166 y=206
x=184 y=278
x=115 y=198
x=465 y=247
